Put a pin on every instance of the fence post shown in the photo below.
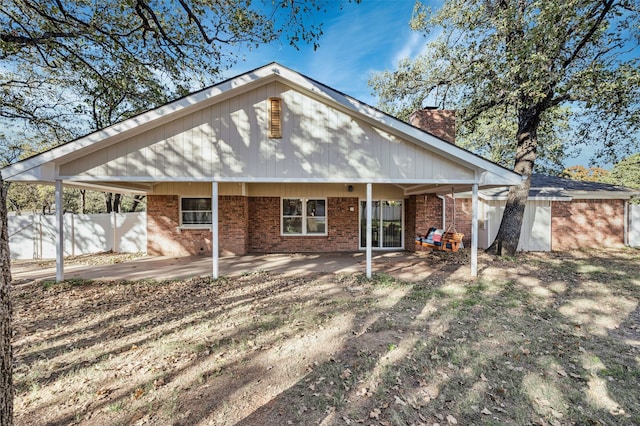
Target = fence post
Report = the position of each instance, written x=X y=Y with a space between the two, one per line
x=73 y=235
x=114 y=221
x=35 y=236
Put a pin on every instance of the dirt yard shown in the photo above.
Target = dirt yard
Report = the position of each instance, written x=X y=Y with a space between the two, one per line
x=545 y=339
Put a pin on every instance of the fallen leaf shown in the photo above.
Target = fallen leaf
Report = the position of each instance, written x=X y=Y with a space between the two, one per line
x=374 y=414
x=103 y=392
x=137 y=393
x=345 y=374
x=452 y=420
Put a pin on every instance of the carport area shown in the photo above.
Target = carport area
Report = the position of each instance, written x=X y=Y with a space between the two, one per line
x=404 y=265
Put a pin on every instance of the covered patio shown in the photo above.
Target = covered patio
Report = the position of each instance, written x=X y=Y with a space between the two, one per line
x=407 y=266
x=269 y=161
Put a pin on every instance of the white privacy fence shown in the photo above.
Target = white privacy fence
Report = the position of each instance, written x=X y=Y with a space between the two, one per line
x=34 y=236
x=634 y=225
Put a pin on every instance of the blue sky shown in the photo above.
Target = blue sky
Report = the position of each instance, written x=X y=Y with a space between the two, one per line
x=358 y=40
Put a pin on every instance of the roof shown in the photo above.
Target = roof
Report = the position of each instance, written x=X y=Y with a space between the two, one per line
x=46 y=166
x=554 y=188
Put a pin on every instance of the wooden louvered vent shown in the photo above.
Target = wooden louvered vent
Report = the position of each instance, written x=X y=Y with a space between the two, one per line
x=275 y=118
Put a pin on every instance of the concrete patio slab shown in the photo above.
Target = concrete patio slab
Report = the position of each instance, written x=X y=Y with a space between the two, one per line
x=405 y=265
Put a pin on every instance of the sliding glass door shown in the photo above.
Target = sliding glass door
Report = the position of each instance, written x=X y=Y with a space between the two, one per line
x=386 y=224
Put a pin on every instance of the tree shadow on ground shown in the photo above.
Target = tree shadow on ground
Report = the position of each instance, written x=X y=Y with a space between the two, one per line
x=538 y=339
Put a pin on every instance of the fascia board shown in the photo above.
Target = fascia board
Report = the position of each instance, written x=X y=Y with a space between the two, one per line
x=603 y=195
x=487 y=197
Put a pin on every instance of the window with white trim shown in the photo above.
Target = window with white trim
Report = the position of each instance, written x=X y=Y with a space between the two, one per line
x=304 y=216
x=195 y=211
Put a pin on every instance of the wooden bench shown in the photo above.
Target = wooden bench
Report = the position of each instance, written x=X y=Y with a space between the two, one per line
x=451 y=241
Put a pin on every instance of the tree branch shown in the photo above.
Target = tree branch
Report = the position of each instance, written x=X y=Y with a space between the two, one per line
x=607 y=5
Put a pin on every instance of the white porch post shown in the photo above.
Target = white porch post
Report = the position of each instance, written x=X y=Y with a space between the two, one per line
x=474 y=231
x=59 y=233
x=214 y=228
x=369 y=210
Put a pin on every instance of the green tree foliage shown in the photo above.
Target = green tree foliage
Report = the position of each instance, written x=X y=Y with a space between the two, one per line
x=26 y=198
x=491 y=136
x=527 y=60
x=626 y=172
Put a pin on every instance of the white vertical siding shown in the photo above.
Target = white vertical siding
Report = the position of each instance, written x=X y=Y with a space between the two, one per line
x=230 y=139
x=634 y=225
x=536 y=225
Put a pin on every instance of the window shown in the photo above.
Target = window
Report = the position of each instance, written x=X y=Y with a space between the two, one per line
x=275 y=117
x=195 y=211
x=302 y=216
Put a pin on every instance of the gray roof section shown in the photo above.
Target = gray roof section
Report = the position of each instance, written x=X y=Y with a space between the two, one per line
x=562 y=189
x=540 y=181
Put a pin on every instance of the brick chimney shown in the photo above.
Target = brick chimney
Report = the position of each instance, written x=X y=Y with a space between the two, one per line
x=439 y=122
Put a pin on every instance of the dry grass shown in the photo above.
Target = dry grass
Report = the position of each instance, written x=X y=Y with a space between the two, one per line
x=539 y=339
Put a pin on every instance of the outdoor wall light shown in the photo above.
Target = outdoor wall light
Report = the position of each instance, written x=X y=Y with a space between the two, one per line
x=350 y=188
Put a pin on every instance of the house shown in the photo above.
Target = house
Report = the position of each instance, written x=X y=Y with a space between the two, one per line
x=564 y=214
x=560 y=214
x=271 y=161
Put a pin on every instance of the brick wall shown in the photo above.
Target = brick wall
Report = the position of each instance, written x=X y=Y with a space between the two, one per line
x=164 y=238
x=421 y=213
x=463 y=217
x=233 y=222
x=587 y=223
x=264 y=230
x=439 y=122
x=252 y=224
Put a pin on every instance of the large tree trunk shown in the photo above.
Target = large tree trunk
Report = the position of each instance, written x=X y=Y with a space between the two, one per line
x=6 y=353
x=509 y=232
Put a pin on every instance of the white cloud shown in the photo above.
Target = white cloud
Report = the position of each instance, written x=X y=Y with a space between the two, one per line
x=358 y=40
